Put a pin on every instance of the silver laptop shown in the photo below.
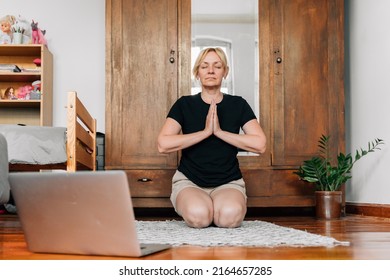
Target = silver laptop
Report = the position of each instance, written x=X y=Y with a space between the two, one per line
x=84 y=212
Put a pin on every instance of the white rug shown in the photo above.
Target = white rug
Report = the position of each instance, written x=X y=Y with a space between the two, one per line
x=251 y=233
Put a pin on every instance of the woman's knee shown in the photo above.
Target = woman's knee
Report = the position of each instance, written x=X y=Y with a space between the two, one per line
x=230 y=215
x=196 y=208
x=199 y=216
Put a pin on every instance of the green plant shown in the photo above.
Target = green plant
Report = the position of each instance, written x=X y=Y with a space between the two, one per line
x=328 y=177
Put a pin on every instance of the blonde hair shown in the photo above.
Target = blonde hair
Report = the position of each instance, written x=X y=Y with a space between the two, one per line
x=203 y=54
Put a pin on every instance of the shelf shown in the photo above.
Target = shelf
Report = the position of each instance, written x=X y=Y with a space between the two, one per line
x=33 y=111
x=21 y=50
x=20 y=103
x=19 y=77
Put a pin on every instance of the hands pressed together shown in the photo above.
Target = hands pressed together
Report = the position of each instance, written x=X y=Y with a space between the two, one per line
x=212 y=122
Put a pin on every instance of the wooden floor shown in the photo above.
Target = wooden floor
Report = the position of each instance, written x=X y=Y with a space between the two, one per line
x=369 y=239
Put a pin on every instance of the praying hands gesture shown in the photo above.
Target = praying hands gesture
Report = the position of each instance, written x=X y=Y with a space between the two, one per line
x=212 y=122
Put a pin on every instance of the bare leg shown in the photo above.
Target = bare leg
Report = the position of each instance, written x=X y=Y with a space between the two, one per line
x=195 y=206
x=229 y=208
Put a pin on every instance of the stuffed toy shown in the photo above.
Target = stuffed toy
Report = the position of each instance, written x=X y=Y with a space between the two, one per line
x=24 y=92
x=36 y=85
x=37 y=62
x=37 y=35
x=36 y=92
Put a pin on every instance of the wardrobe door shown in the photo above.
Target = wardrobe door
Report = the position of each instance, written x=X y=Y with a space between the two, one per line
x=142 y=81
x=147 y=68
x=307 y=58
x=301 y=59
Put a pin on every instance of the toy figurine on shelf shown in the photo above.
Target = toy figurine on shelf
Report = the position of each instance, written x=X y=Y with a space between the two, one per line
x=6 y=23
x=38 y=35
x=35 y=94
x=23 y=92
x=37 y=62
x=9 y=94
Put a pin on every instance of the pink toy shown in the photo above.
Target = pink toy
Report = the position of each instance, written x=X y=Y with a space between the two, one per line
x=38 y=35
x=24 y=92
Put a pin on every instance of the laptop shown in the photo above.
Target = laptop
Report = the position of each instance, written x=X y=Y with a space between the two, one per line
x=84 y=212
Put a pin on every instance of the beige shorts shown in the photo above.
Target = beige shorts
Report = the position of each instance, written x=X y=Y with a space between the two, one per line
x=180 y=182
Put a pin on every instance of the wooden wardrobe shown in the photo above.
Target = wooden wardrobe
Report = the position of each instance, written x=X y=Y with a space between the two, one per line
x=148 y=45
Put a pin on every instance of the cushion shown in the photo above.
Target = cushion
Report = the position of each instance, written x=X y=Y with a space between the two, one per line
x=4 y=183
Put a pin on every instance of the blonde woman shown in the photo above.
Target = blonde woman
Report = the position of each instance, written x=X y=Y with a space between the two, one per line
x=208 y=188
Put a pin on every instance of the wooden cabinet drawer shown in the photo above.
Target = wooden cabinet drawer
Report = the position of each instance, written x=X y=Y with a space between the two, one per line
x=150 y=183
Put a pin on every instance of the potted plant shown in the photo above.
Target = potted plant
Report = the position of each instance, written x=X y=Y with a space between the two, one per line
x=329 y=178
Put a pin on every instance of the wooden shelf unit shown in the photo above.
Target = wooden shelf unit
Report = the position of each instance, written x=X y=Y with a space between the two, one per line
x=29 y=112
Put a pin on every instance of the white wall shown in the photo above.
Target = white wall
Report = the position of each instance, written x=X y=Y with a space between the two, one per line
x=75 y=30
x=368 y=97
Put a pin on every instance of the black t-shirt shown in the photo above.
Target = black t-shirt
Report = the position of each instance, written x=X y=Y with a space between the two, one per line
x=211 y=162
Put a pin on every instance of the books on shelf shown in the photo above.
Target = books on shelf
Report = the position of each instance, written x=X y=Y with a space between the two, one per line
x=31 y=70
x=9 y=68
x=15 y=69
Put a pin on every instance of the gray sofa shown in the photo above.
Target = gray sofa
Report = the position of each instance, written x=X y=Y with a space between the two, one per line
x=4 y=183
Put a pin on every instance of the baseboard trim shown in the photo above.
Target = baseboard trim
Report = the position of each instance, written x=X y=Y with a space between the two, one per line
x=365 y=209
x=368 y=209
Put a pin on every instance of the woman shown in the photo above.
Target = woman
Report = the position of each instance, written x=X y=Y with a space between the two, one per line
x=208 y=186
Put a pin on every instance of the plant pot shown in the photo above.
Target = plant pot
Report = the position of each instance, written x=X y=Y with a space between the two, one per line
x=328 y=204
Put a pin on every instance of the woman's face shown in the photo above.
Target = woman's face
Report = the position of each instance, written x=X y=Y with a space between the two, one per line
x=211 y=71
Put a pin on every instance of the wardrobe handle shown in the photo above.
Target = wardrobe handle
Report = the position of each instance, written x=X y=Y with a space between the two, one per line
x=144 y=180
x=172 y=58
